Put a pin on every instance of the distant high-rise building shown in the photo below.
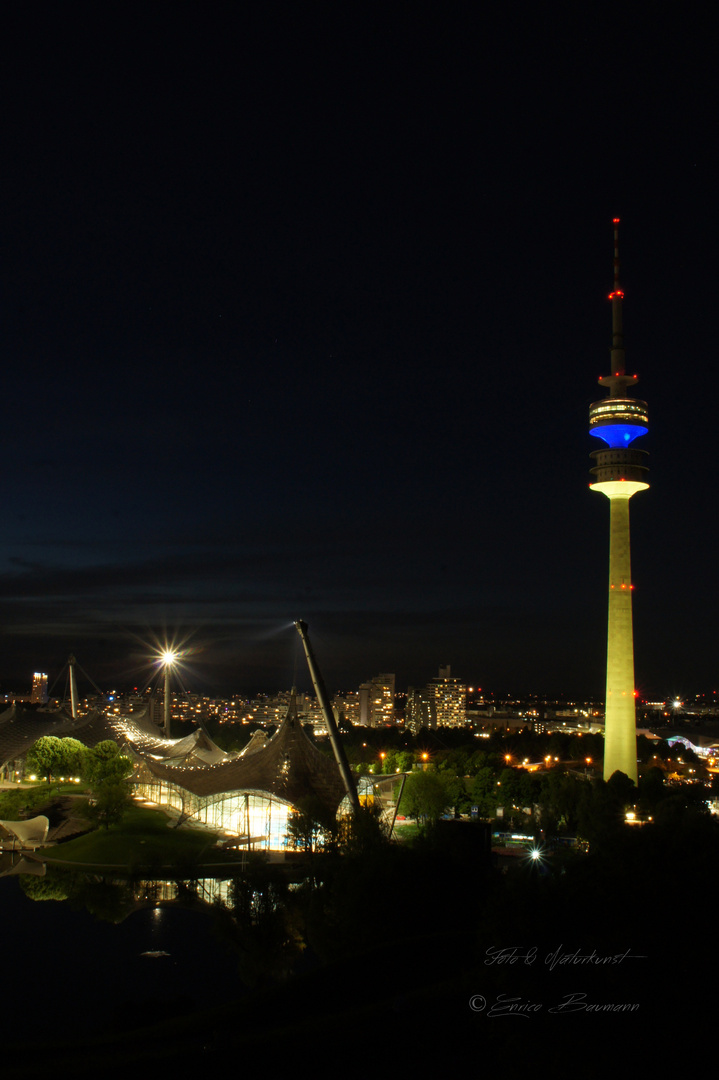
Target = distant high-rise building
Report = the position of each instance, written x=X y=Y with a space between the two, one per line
x=619 y=472
x=155 y=708
x=450 y=699
x=420 y=710
x=376 y=701
x=39 y=688
x=347 y=706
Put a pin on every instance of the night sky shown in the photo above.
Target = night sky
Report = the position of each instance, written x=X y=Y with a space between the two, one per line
x=302 y=309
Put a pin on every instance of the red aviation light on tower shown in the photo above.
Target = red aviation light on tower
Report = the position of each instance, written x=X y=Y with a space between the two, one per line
x=617 y=293
x=616 y=220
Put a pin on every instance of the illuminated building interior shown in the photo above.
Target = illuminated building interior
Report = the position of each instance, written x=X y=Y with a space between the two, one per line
x=259 y=819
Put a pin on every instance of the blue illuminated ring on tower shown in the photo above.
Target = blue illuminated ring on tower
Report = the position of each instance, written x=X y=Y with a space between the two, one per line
x=618 y=421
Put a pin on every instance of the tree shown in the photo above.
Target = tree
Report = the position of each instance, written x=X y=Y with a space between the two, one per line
x=455 y=793
x=560 y=798
x=109 y=802
x=42 y=758
x=405 y=760
x=483 y=791
x=311 y=828
x=105 y=763
x=53 y=757
x=105 y=769
x=622 y=789
x=389 y=762
x=601 y=808
x=73 y=757
x=423 y=797
x=651 y=788
x=50 y=887
x=363 y=832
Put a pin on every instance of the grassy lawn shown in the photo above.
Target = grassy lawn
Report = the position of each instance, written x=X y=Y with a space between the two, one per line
x=142 y=839
x=406 y=831
x=31 y=796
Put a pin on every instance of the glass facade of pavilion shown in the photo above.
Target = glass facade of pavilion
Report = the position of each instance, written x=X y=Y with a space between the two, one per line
x=257 y=817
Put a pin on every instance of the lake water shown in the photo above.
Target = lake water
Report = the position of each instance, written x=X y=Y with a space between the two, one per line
x=63 y=964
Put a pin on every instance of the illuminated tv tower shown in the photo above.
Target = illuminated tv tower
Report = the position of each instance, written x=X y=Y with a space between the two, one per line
x=619 y=471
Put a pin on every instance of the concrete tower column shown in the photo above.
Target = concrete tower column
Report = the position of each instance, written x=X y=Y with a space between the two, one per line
x=620 y=742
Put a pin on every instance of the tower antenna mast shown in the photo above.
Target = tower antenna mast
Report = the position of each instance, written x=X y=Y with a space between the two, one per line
x=616 y=296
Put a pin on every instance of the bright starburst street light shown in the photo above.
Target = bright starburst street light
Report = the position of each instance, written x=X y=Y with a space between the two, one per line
x=536 y=855
x=168 y=658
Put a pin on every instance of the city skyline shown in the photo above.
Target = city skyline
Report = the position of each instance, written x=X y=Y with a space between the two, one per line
x=188 y=681
x=310 y=332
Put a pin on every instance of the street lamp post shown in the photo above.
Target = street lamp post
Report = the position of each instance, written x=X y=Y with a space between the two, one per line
x=168 y=659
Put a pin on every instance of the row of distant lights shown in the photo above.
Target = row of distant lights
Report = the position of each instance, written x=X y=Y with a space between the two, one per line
x=62 y=779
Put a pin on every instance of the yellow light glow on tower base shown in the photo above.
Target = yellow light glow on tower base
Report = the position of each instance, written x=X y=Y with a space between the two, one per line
x=614 y=489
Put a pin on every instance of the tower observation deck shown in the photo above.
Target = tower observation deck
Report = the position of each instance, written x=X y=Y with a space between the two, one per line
x=619 y=471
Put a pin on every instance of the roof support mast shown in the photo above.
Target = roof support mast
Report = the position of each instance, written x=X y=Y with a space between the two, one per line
x=337 y=747
x=73 y=687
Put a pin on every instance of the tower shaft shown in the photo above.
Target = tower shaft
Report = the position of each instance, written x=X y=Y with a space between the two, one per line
x=620 y=741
